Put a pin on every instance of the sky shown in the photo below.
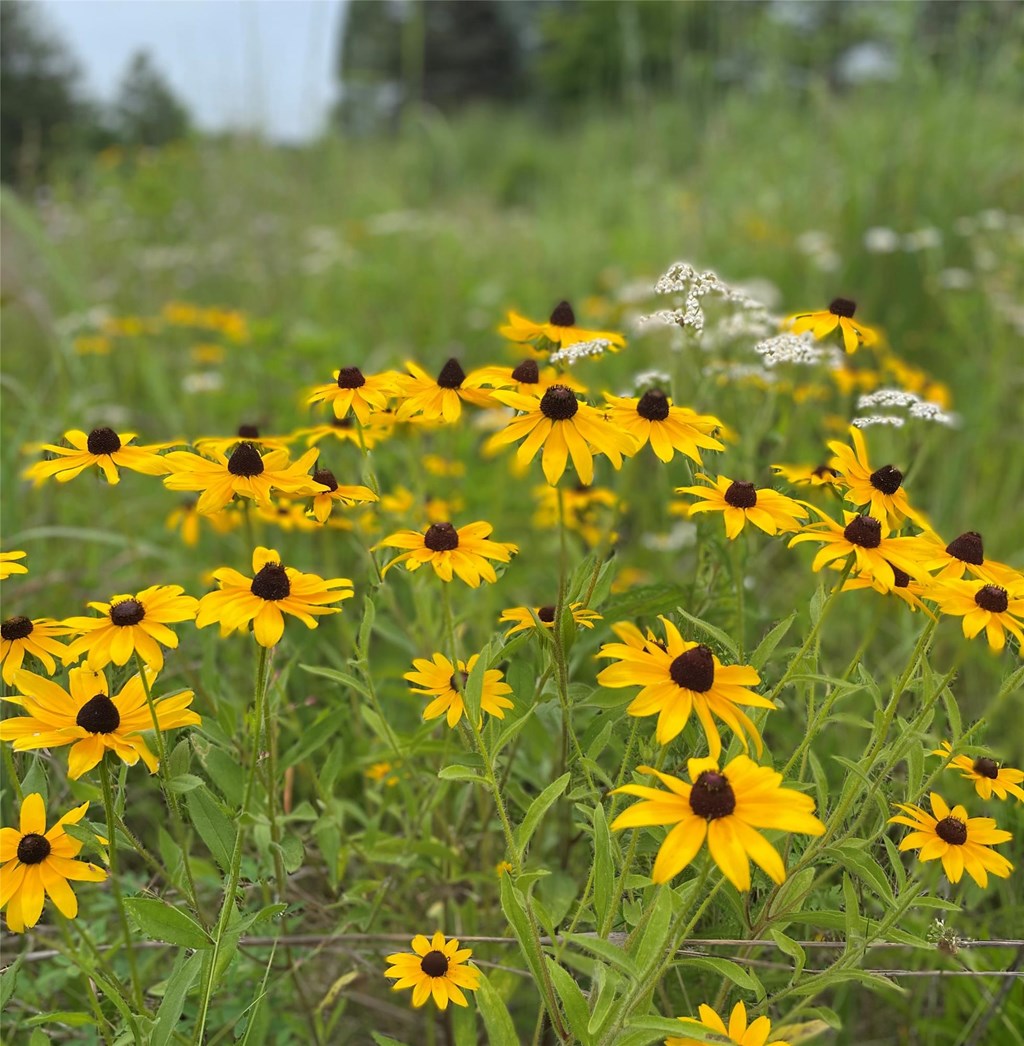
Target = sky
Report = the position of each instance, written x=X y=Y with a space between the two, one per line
x=265 y=65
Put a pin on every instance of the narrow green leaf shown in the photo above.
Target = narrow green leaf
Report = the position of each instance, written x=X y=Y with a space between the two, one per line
x=728 y=969
x=184 y=783
x=604 y=874
x=656 y=1028
x=183 y=976
x=212 y=824
x=513 y=904
x=385 y=1040
x=474 y=688
x=497 y=1019
x=865 y=868
x=792 y=949
x=458 y=772
x=606 y=950
x=8 y=981
x=344 y=678
x=366 y=627
x=537 y=810
x=650 y=945
x=573 y=1002
x=717 y=634
x=851 y=912
x=766 y=647
x=161 y=922
x=509 y=731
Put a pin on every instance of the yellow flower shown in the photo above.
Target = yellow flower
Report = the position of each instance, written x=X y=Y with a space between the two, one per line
x=565 y=428
x=214 y=446
x=881 y=490
x=839 y=314
x=186 y=520
x=437 y=677
x=983 y=606
x=463 y=552
x=502 y=868
x=526 y=378
x=264 y=599
x=988 y=776
x=352 y=391
x=9 y=564
x=382 y=772
x=324 y=500
x=207 y=352
x=403 y=502
x=92 y=345
x=247 y=474
x=587 y=510
x=678 y=677
x=904 y=587
x=438 y=399
x=961 y=842
x=814 y=476
x=346 y=431
x=131 y=623
x=437 y=969
x=289 y=516
x=741 y=502
x=21 y=635
x=437 y=465
x=560 y=330
x=103 y=447
x=739 y=1033
x=653 y=419
x=88 y=719
x=35 y=862
x=963 y=555
x=522 y=618
x=726 y=807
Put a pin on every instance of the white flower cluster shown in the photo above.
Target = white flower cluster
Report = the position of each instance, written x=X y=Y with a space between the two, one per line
x=802 y=349
x=924 y=410
x=878 y=419
x=571 y=354
x=649 y=379
x=683 y=278
x=739 y=326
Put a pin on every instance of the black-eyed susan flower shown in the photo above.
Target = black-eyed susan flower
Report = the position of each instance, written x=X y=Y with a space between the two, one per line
x=565 y=428
x=740 y=502
x=22 y=635
x=103 y=447
x=264 y=599
x=436 y=969
x=86 y=717
x=808 y=475
x=246 y=473
x=345 y=430
x=989 y=777
x=188 y=522
x=523 y=618
x=587 y=510
x=35 y=863
x=994 y=609
x=677 y=678
x=560 y=330
x=904 y=587
x=212 y=446
x=879 y=490
x=838 y=314
x=724 y=806
x=332 y=493
x=382 y=771
x=963 y=555
x=402 y=502
x=867 y=539
x=959 y=841
x=526 y=378
x=463 y=552
x=353 y=391
x=652 y=418
x=438 y=678
x=9 y=564
x=738 y=1033
x=131 y=623
x=440 y=398
x=290 y=515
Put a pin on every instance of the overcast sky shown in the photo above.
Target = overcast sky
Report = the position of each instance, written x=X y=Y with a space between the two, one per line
x=253 y=64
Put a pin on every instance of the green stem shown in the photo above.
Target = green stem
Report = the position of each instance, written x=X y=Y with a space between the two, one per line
x=12 y=773
x=736 y=561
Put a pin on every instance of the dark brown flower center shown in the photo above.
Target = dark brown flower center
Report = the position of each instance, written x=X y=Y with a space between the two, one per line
x=865 y=531
x=16 y=628
x=434 y=964
x=562 y=315
x=985 y=767
x=967 y=548
x=712 y=796
x=33 y=848
x=992 y=598
x=99 y=715
x=271 y=582
x=887 y=479
x=824 y=470
x=842 y=307
x=559 y=403
x=341 y=423
x=441 y=537
x=741 y=495
x=350 y=378
x=901 y=577
x=452 y=375
x=527 y=372
x=325 y=477
x=694 y=670
x=653 y=405
x=952 y=830
x=103 y=441
x=546 y=614
x=249 y=431
x=127 y=612
x=245 y=460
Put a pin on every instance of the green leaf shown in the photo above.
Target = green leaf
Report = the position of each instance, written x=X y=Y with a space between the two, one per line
x=650 y=944
x=509 y=731
x=183 y=976
x=766 y=647
x=791 y=948
x=537 y=810
x=497 y=1019
x=474 y=689
x=8 y=981
x=345 y=678
x=647 y=599
x=458 y=772
x=161 y=922
x=728 y=969
x=184 y=783
x=71 y=1018
x=513 y=904
x=716 y=633
x=865 y=868
x=385 y=1040
x=603 y=992
x=35 y=780
x=366 y=627
x=573 y=1002
x=611 y=953
x=657 y=1028
x=604 y=874
x=851 y=912
x=798 y=1034
x=212 y=824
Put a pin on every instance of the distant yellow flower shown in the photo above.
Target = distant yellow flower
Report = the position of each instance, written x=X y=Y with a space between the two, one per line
x=403 y=503
x=588 y=510
x=288 y=515
x=989 y=777
x=522 y=618
x=437 y=970
x=207 y=352
x=382 y=772
x=526 y=378
x=35 y=862
x=653 y=419
x=92 y=345
x=904 y=587
x=22 y=635
x=103 y=447
x=739 y=1033
x=839 y=314
x=741 y=502
x=439 y=678
x=345 y=430
x=814 y=476
x=983 y=606
x=324 y=500
x=961 y=842
x=353 y=391
x=881 y=490
x=440 y=398
x=187 y=521
x=560 y=330
x=438 y=465
x=963 y=555
x=463 y=552
x=502 y=868
x=213 y=446
x=9 y=564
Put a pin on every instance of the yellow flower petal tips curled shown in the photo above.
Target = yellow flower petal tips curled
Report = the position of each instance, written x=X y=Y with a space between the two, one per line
x=741 y=502
x=353 y=391
x=652 y=418
x=21 y=635
x=439 y=678
x=880 y=490
x=264 y=599
x=989 y=777
x=560 y=330
x=738 y=1033
x=436 y=969
x=994 y=609
x=838 y=314
x=461 y=552
x=35 y=863
x=726 y=807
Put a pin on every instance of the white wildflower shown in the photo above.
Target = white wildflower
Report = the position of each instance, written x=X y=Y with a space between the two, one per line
x=880 y=240
x=802 y=349
x=581 y=350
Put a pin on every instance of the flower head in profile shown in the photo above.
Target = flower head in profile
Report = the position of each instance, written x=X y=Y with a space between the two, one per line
x=35 y=863
x=839 y=315
x=212 y=446
x=86 y=717
x=904 y=587
x=985 y=607
x=22 y=635
x=131 y=623
x=726 y=807
x=438 y=678
x=526 y=378
x=462 y=552
x=188 y=522
x=345 y=430
x=652 y=418
x=738 y=1033
x=290 y=515
x=560 y=329
x=441 y=398
x=103 y=447
x=959 y=841
x=989 y=777
x=9 y=564
x=741 y=502
x=436 y=969
x=677 y=678
x=523 y=618
x=880 y=490
x=808 y=475
x=333 y=493
x=262 y=600
x=961 y=557
x=353 y=391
